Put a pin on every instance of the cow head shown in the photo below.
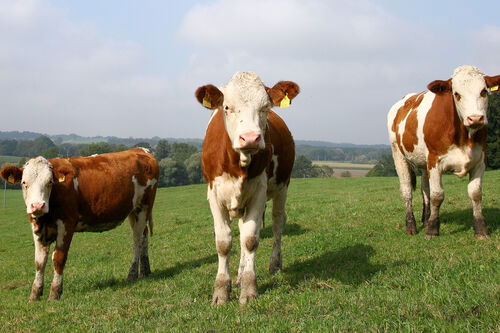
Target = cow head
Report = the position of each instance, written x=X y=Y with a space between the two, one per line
x=36 y=179
x=469 y=88
x=246 y=102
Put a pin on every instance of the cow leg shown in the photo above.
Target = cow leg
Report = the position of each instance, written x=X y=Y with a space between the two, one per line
x=406 y=185
x=279 y=221
x=437 y=197
x=59 y=256
x=223 y=244
x=139 y=230
x=41 y=255
x=426 y=198
x=249 y=227
x=475 y=194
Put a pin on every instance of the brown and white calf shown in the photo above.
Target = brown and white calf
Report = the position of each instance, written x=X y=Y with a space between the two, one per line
x=443 y=129
x=247 y=159
x=67 y=195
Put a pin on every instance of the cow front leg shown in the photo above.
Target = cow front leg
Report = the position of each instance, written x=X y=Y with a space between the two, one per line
x=41 y=255
x=426 y=198
x=474 y=190
x=437 y=197
x=249 y=226
x=223 y=244
x=279 y=221
x=59 y=257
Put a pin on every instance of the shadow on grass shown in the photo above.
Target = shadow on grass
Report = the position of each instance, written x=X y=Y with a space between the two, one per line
x=349 y=265
x=159 y=274
x=291 y=229
x=466 y=220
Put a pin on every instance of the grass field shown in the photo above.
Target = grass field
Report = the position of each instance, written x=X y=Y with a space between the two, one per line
x=9 y=159
x=347 y=266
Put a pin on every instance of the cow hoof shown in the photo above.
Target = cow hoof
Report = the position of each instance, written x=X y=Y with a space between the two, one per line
x=248 y=287
x=411 y=231
x=482 y=236
x=275 y=267
x=33 y=298
x=430 y=236
x=222 y=290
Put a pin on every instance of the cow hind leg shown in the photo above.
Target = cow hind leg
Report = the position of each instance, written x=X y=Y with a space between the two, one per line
x=407 y=181
x=140 y=240
x=279 y=221
x=426 y=198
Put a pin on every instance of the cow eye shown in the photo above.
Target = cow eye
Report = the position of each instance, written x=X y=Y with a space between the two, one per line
x=457 y=96
x=484 y=93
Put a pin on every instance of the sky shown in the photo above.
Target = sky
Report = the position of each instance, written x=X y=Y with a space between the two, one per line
x=130 y=68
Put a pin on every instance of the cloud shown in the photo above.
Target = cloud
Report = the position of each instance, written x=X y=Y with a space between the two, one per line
x=60 y=76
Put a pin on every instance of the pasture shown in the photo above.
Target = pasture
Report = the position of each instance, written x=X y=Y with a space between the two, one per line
x=355 y=169
x=347 y=266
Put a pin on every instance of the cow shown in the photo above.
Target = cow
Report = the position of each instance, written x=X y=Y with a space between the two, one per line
x=68 y=195
x=247 y=159
x=442 y=129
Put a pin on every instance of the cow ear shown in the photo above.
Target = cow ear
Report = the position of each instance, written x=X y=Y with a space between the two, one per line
x=439 y=86
x=209 y=96
x=492 y=82
x=283 y=92
x=12 y=174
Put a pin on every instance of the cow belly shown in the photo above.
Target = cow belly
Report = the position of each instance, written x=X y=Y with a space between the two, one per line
x=460 y=160
x=97 y=227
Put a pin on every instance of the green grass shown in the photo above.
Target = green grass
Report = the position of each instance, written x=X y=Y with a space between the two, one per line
x=347 y=265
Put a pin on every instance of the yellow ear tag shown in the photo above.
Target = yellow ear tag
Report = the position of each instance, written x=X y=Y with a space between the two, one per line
x=11 y=179
x=207 y=103
x=285 y=102
x=62 y=178
x=495 y=88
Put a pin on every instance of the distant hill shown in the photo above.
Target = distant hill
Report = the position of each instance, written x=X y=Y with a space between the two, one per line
x=78 y=139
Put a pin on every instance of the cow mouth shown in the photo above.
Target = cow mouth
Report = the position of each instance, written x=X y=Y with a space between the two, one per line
x=249 y=151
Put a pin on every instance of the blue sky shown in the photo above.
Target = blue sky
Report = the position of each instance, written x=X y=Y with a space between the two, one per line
x=130 y=68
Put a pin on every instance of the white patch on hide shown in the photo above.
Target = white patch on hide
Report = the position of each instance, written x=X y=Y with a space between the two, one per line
x=75 y=183
x=61 y=232
x=139 y=190
x=146 y=150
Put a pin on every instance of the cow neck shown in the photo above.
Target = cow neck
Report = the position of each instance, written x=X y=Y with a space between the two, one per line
x=444 y=128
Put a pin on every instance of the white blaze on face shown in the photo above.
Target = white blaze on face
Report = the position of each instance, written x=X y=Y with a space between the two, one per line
x=246 y=106
x=37 y=183
x=471 y=96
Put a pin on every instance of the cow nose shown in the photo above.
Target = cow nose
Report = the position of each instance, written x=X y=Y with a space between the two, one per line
x=475 y=120
x=249 y=140
x=37 y=207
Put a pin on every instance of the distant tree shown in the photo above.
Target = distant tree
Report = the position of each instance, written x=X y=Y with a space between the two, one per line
x=193 y=167
x=302 y=167
x=322 y=171
x=51 y=152
x=41 y=144
x=345 y=174
x=493 y=140
x=120 y=147
x=162 y=150
x=172 y=173
x=21 y=162
x=8 y=147
x=181 y=151
x=96 y=148
x=143 y=144
x=383 y=168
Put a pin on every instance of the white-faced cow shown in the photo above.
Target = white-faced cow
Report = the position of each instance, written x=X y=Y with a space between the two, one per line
x=67 y=195
x=443 y=129
x=247 y=159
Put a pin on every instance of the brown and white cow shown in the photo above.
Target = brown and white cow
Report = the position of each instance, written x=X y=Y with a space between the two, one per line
x=443 y=129
x=247 y=159
x=67 y=195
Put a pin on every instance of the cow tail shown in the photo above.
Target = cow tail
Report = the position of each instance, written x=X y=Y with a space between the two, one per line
x=413 y=179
